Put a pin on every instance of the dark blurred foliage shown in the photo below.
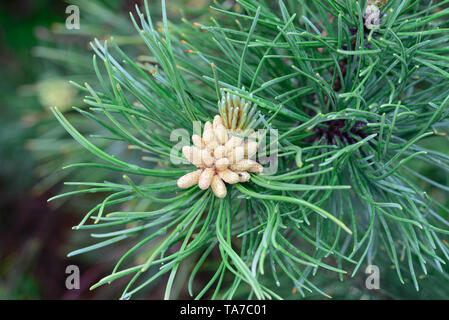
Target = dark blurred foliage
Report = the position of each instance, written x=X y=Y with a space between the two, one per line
x=25 y=222
x=34 y=236
x=18 y=20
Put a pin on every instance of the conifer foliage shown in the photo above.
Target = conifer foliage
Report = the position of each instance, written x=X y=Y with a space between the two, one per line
x=358 y=95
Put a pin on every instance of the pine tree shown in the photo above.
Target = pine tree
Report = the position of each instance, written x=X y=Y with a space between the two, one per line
x=357 y=92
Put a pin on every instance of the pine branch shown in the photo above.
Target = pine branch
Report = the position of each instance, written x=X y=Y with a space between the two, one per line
x=353 y=103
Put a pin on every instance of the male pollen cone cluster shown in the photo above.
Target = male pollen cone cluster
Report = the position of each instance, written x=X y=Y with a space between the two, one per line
x=220 y=157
